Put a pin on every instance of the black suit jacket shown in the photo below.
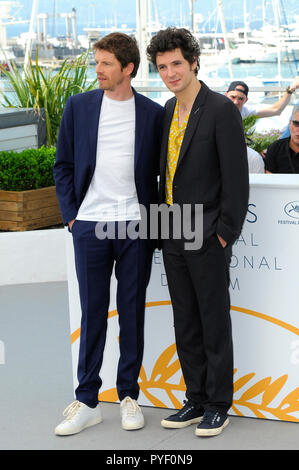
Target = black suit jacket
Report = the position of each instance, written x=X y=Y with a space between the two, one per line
x=212 y=168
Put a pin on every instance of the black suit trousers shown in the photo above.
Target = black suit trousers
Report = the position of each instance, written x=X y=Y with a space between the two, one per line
x=198 y=284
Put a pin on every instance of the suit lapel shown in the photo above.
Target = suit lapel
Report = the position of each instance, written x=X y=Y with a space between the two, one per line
x=140 y=126
x=194 y=118
x=166 y=128
x=94 y=108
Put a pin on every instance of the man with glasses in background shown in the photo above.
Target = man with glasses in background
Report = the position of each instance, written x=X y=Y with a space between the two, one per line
x=283 y=155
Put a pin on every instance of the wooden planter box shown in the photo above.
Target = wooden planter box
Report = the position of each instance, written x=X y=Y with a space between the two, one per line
x=29 y=210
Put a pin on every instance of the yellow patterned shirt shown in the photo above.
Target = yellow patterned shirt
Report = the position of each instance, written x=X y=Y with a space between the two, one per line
x=175 y=139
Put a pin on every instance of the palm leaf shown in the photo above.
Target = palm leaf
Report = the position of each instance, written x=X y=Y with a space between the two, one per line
x=37 y=88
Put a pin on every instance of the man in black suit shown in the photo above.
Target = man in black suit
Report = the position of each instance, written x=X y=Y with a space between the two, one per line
x=203 y=162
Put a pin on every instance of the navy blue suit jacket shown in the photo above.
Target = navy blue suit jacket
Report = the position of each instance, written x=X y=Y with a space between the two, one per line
x=77 y=147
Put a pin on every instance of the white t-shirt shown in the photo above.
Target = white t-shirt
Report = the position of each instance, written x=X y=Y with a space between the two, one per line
x=255 y=161
x=112 y=194
x=248 y=111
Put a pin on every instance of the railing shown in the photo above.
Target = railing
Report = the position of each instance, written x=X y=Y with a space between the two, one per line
x=220 y=89
x=158 y=88
x=266 y=91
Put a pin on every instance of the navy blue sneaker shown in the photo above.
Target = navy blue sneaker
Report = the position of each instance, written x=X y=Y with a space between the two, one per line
x=211 y=424
x=189 y=414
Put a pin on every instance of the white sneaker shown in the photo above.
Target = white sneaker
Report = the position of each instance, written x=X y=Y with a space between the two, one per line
x=131 y=414
x=78 y=417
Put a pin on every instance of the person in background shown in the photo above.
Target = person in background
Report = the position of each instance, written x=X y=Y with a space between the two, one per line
x=255 y=161
x=203 y=162
x=283 y=155
x=238 y=93
x=106 y=167
x=286 y=131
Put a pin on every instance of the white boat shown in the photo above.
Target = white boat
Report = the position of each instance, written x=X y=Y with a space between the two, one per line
x=254 y=53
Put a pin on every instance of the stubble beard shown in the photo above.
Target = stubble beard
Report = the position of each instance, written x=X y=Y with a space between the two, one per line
x=110 y=86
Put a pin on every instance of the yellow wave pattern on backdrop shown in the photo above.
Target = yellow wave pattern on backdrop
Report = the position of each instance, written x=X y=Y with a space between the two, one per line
x=265 y=389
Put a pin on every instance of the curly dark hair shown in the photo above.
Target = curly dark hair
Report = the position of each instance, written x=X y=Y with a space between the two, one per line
x=174 y=38
x=124 y=47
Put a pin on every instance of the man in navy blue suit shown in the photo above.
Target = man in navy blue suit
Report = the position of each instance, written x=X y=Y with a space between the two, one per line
x=106 y=169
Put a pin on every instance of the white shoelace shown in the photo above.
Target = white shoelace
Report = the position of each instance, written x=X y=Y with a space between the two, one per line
x=71 y=409
x=131 y=406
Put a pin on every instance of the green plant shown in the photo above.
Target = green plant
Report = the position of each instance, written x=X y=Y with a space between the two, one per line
x=29 y=169
x=34 y=87
x=249 y=126
x=261 y=141
x=258 y=141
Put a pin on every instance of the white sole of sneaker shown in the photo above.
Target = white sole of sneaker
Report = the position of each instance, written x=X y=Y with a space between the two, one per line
x=128 y=427
x=211 y=432
x=175 y=425
x=77 y=430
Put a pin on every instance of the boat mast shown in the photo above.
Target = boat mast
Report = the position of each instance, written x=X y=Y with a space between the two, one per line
x=192 y=14
x=245 y=22
x=223 y=25
x=142 y=36
x=30 y=34
x=275 y=5
x=264 y=22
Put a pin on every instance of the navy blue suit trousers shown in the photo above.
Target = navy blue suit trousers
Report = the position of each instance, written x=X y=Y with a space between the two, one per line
x=95 y=259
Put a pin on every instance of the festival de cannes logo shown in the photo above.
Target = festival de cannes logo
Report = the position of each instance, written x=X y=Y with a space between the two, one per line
x=292 y=209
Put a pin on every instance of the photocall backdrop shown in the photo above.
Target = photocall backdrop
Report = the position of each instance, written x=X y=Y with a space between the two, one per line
x=264 y=290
